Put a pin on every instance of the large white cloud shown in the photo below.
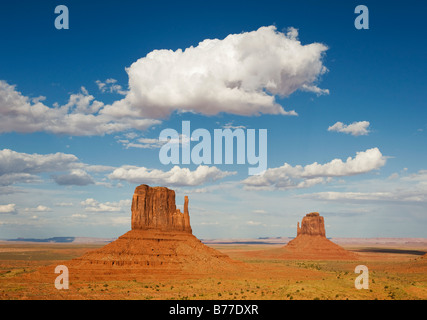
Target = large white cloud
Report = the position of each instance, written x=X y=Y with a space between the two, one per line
x=17 y=162
x=391 y=196
x=79 y=116
x=18 y=167
x=289 y=177
x=241 y=74
x=174 y=177
x=403 y=187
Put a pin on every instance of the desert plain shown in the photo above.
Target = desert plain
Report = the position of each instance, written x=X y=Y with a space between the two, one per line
x=160 y=258
x=397 y=271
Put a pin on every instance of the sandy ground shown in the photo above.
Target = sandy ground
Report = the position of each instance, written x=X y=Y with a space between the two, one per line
x=398 y=273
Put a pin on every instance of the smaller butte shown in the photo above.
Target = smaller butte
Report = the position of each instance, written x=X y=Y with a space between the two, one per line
x=311 y=242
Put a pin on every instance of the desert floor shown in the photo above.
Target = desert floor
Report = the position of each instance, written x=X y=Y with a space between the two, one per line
x=394 y=273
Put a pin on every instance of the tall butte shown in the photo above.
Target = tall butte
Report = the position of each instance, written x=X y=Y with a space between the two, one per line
x=311 y=241
x=155 y=208
x=160 y=242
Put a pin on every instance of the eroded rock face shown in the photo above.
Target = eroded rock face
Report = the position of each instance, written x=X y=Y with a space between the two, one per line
x=312 y=224
x=155 y=208
x=160 y=244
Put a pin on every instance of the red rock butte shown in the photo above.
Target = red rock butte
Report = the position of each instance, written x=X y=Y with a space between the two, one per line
x=155 y=208
x=311 y=242
x=159 y=244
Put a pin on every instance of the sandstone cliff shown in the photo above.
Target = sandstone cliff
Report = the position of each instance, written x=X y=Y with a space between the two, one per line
x=312 y=224
x=155 y=208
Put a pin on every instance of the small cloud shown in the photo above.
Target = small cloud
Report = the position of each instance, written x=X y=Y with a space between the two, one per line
x=141 y=143
x=314 y=89
x=260 y=211
x=131 y=135
x=92 y=205
x=79 y=216
x=110 y=86
x=253 y=223
x=76 y=177
x=38 y=99
x=230 y=125
x=355 y=129
x=64 y=204
x=394 y=176
x=8 y=208
x=39 y=208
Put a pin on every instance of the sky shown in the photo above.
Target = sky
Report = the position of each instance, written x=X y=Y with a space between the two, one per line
x=82 y=109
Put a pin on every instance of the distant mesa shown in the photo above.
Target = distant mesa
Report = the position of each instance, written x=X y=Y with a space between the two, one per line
x=160 y=242
x=311 y=241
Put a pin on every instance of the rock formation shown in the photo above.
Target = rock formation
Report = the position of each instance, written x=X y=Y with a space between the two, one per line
x=312 y=224
x=311 y=241
x=160 y=243
x=155 y=208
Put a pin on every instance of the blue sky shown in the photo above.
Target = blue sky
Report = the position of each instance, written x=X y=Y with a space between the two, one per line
x=63 y=175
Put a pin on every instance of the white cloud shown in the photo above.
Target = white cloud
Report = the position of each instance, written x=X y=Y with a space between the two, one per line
x=39 y=208
x=76 y=177
x=403 y=188
x=92 y=205
x=8 y=179
x=241 y=74
x=64 y=204
x=110 y=86
x=255 y=223
x=80 y=116
x=79 y=216
x=356 y=128
x=288 y=177
x=230 y=125
x=8 y=208
x=17 y=167
x=174 y=177
x=16 y=162
x=142 y=143
x=260 y=211
x=314 y=89
x=397 y=196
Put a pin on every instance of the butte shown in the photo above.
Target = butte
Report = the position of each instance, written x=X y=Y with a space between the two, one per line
x=311 y=242
x=159 y=244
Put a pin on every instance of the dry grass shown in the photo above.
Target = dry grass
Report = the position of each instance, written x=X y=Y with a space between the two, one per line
x=392 y=276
